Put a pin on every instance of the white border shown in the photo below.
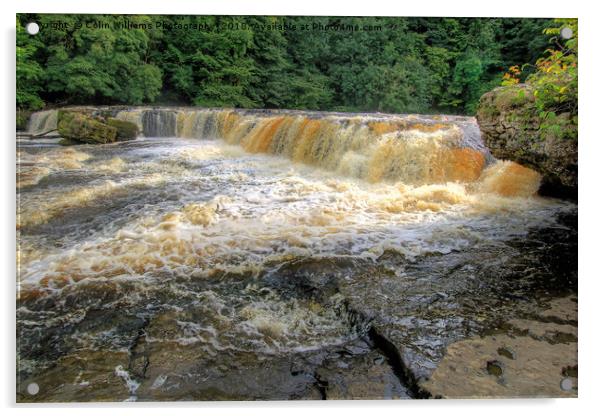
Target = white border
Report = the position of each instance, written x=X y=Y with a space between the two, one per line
x=460 y=8
x=590 y=276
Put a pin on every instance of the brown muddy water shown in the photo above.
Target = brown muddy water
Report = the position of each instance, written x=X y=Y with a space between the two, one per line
x=274 y=256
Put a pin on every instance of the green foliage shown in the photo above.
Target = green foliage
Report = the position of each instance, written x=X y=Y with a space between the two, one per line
x=390 y=64
x=550 y=89
x=556 y=83
x=99 y=65
x=29 y=71
x=22 y=119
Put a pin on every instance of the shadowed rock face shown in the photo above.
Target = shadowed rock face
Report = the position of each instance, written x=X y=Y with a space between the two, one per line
x=125 y=129
x=510 y=128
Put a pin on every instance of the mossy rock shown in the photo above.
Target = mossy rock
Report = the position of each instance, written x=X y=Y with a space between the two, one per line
x=104 y=114
x=518 y=96
x=22 y=119
x=83 y=128
x=125 y=130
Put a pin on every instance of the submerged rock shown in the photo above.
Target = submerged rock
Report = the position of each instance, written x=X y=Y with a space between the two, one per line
x=68 y=142
x=511 y=127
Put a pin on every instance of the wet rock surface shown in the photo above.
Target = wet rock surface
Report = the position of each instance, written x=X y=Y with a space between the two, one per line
x=417 y=309
x=352 y=375
x=529 y=359
x=440 y=326
x=83 y=128
x=86 y=375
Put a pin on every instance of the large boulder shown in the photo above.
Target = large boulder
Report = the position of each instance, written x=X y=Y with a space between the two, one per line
x=84 y=128
x=513 y=129
x=126 y=130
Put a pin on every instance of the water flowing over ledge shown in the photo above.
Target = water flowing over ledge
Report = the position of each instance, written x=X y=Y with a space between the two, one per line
x=374 y=147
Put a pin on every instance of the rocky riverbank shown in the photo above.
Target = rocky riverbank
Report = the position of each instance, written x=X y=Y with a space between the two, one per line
x=513 y=129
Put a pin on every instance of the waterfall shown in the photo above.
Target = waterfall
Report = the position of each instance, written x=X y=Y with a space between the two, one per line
x=42 y=122
x=159 y=123
x=415 y=149
x=198 y=124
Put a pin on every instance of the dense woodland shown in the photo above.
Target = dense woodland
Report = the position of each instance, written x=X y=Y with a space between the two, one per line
x=324 y=63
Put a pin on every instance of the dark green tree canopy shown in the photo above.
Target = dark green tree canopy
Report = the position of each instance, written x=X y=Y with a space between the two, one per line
x=384 y=64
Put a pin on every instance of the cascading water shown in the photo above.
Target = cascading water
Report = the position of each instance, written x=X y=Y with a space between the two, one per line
x=415 y=149
x=157 y=123
x=178 y=266
x=42 y=122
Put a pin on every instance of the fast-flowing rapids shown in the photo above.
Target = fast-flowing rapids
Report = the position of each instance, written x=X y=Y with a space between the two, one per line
x=173 y=235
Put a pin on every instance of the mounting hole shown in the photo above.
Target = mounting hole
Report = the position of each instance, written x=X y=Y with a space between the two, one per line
x=32 y=28
x=33 y=389
x=566 y=384
x=566 y=33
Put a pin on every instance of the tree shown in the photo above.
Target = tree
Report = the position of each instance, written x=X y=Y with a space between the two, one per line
x=29 y=72
x=387 y=64
x=98 y=64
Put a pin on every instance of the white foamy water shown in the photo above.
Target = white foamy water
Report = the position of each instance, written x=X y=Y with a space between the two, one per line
x=228 y=210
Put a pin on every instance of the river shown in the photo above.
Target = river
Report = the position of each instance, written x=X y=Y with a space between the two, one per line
x=241 y=255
